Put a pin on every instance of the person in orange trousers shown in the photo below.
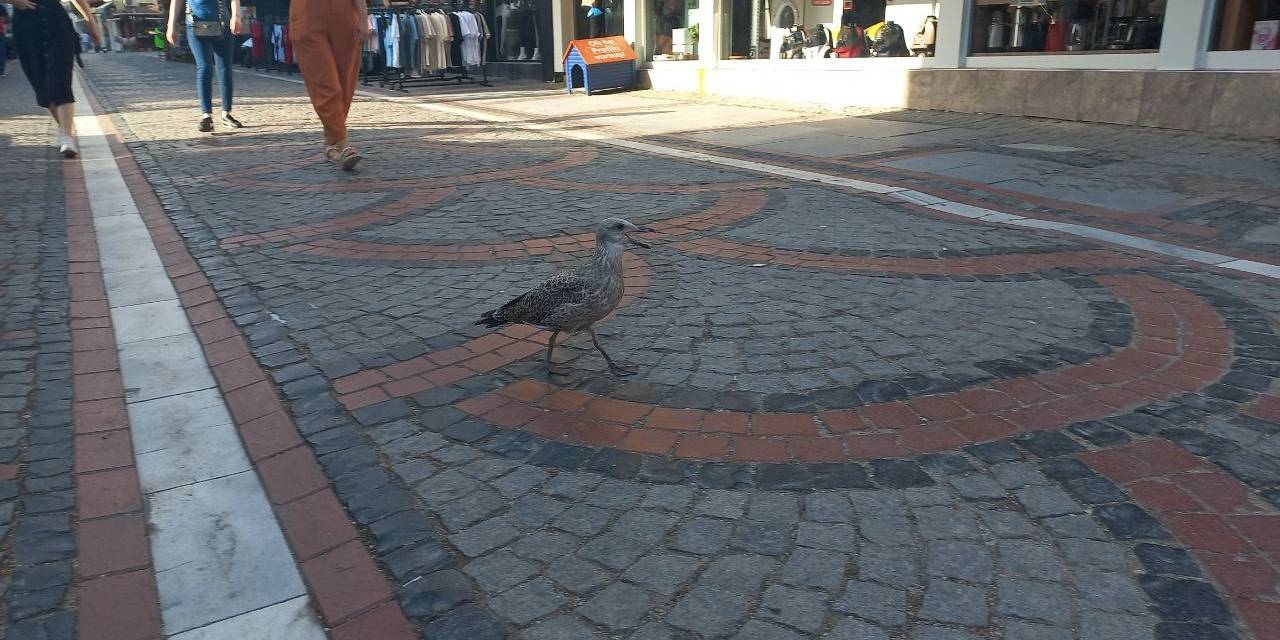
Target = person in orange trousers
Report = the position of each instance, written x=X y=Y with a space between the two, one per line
x=327 y=36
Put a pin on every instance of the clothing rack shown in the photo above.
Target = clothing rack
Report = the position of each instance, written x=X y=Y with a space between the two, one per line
x=397 y=79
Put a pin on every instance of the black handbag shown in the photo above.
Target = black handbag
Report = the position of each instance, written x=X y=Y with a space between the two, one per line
x=207 y=28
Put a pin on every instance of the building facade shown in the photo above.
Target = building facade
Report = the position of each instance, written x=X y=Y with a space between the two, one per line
x=1208 y=65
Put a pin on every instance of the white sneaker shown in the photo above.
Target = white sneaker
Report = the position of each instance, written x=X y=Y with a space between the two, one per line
x=68 y=149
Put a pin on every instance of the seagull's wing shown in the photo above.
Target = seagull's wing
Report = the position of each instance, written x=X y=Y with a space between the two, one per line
x=547 y=305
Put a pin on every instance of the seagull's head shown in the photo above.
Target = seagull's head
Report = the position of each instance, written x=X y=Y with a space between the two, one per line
x=616 y=230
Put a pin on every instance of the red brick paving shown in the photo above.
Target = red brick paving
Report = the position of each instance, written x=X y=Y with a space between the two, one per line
x=1233 y=535
x=1099 y=388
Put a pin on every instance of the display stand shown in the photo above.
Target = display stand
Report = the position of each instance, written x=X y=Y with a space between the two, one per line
x=397 y=79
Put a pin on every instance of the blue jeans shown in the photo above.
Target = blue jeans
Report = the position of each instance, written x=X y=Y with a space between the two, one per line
x=205 y=51
x=4 y=52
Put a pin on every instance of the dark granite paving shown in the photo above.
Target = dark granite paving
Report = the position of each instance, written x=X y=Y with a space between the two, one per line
x=37 y=545
x=807 y=452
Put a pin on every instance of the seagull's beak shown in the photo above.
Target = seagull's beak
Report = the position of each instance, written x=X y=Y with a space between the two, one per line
x=639 y=230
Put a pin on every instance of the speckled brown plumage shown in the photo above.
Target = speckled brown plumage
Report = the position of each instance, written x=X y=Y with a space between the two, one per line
x=575 y=300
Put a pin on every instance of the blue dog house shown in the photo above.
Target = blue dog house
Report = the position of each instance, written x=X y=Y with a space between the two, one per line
x=596 y=64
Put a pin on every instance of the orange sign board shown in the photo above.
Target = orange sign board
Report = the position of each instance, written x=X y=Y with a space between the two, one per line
x=602 y=50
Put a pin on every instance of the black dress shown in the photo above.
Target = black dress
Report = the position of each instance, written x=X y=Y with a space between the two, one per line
x=47 y=43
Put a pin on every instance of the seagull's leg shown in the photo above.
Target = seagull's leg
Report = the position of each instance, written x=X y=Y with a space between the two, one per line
x=551 y=346
x=619 y=370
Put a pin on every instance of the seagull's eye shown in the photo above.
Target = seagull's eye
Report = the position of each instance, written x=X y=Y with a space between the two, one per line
x=621 y=226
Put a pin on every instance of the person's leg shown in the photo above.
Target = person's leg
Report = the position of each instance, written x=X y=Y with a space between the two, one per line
x=223 y=49
x=346 y=53
x=65 y=115
x=203 y=53
x=314 y=56
x=4 y=53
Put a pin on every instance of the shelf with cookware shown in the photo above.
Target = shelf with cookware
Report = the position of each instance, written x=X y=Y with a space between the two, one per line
x=1066 y=26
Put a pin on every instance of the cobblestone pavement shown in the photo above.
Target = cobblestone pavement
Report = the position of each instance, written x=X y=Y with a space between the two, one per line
x=854 y=419
x=37 y=545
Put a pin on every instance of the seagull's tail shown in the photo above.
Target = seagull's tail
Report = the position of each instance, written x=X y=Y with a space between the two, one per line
x=490 y=319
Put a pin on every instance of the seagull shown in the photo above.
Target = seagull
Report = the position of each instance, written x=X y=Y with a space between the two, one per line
x=574 y=300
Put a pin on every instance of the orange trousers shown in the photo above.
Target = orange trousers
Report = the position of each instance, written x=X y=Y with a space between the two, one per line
x=327 y=50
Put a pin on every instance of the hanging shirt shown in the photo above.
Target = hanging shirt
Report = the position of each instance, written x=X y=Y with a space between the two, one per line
x=391 y=42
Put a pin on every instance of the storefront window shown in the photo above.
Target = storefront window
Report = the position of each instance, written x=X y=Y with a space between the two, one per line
x=598 y=19
x=674 y=25
x=1001 y=27
x=817 y=29
x=1246 y=24
x=516 y=37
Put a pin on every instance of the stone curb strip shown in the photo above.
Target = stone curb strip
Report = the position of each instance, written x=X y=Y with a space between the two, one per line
x=201 y=415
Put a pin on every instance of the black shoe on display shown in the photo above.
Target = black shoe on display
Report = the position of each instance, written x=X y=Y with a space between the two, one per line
x=230 y=121
x=206 y=124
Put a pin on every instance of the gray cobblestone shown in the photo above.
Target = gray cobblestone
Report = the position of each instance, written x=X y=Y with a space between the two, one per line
x=669 y=497
x=1018 y=630
x=702 y=536
x=757 y=630
x=544 y=545
x=1074 y=526
x=1105 y=626
x=737 y=574
x=484 y=536
x=892 y=565
x=946 y=522
x=854 y=629
x=977 y=487
x=528 y=602
x=1026 y=559
x=960 y=560
x=874 y=602
x=796 y=608
x=583 y=520
x=499 y=571
x=722 y=504
x=830 y=536
x=576 y=575
x=946 y=601
x=827 y=507
x=1038 y=601
x=662 y=573
x=1006 y=524
x=707 y=611
x=560 y=628
x=1107 y=591
x=1017 y=474
x=520 y=481
x=1042 y=502
x=814 y=568
x=619 y=606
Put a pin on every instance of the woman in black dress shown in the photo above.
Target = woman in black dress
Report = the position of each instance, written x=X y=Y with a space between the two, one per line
x=47 y=44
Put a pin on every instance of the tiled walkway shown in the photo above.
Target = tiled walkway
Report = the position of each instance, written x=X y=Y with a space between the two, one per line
x=886 y=394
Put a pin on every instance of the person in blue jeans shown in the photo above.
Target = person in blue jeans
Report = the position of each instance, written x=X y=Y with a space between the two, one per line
x=207 y=49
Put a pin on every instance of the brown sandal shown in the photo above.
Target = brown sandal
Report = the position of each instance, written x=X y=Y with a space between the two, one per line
x=347 y=158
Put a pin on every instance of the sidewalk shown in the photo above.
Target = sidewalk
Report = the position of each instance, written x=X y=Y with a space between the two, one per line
x=903 y=376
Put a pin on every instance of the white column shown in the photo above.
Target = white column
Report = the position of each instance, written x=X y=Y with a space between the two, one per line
x=635 y=26
x=561 y=30
x=952 y=44
x=1186 y=34
x=710 y=38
